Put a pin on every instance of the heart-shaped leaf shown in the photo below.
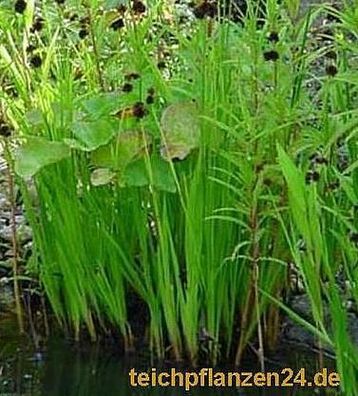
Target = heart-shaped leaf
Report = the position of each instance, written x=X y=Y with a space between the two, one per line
x=181 y=130
x=34 y=117
x=112 y=4
x=101 y=105
x=102 y=176
x=127 y=147
x=37 y=152
x=140 y=172
x=76 y=144
x=163 y=177
x=135 y=174
x=93 y=134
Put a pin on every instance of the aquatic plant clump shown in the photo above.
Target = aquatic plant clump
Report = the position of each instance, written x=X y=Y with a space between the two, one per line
x=187 y=165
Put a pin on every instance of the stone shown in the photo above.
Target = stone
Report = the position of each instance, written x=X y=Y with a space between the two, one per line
x=24 y=233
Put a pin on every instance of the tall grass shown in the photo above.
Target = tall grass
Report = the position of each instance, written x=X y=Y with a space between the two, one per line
x=206 y=242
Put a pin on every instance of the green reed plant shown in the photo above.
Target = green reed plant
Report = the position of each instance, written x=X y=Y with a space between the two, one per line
x=206 y=241
x=322 y=216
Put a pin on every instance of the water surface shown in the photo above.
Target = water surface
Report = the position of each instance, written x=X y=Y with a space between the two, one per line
x=62 y=369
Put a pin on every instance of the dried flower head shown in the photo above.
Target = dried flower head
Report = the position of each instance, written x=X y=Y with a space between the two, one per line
x=117 y=24
x=83 y=33
x=30 y=48
x=5 y=130
x=205 y=9
x=161 y=64
x=73 y=17
x=121 y=9
x=211 y=10
x=138 y=7
x=36 y=61
x=334 y=185
x=353 y=237
x=273 y=37
x=20 y=6
x=318 y=158
x=331 y=70
x=149 y=99
x=127 y=87
x=139 y=111
x=267 y=182
x=199 y=12
x=84 y=21
x=312 y=176
x=132 y=76
x=331 y=55
x=38 y=25
x=271 y=55
x=333 y=17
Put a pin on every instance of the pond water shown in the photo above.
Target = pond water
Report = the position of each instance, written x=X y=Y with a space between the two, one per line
x=62 y=369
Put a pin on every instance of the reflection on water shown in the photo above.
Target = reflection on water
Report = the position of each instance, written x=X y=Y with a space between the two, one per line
x=62 y=370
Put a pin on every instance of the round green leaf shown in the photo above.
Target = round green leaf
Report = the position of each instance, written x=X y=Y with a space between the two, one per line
x=94 y=134
x=37 y=152
x=102 y=176
x=181 y=130
x=127 y=147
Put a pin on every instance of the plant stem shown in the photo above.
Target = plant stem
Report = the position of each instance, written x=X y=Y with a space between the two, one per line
x=12 y=200
x=95 y=49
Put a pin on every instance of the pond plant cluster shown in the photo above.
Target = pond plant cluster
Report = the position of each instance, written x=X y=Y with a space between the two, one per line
x=194 y=158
